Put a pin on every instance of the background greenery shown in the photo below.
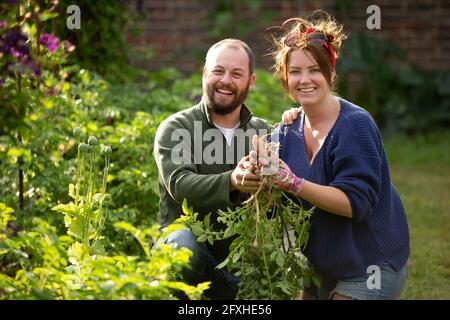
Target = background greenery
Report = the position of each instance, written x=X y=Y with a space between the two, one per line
x=420 y=168
x=94 y=88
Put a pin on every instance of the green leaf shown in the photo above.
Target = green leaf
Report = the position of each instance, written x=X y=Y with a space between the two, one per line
x=98 y=249
x=307 y=281
x=238 y=254
x=72 y=191
x=223 y=263
x=125 y=226
x=280 y=260
x=235 y=258
x=211 y=239
x=186 y=210
x=75 y=229
x=70 y=209
x=228 y=232
x=207 y=219
x=286 y=288
x=46 y=15
x=316 y=281
x=197 y=230
x=5 y=209
x=202 y=238
x=173 y=227
x=15 y=153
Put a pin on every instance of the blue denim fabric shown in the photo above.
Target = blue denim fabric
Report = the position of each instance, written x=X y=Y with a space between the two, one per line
x=224 y=285
x=357 y=288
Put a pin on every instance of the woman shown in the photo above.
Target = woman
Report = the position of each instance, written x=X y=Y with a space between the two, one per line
x=334 y=159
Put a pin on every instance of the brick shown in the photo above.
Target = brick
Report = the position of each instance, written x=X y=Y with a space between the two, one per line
x=175 y=27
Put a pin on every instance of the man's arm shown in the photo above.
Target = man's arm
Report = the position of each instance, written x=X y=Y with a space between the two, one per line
x=182 y=181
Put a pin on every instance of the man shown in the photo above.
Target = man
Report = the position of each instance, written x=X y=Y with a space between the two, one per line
x=204 y=171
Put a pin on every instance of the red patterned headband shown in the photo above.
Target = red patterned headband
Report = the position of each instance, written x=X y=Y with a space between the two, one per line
x=312 y=38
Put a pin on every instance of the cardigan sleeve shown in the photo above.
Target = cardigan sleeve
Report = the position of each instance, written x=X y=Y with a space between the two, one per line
x=357 y=163
x=359 y=178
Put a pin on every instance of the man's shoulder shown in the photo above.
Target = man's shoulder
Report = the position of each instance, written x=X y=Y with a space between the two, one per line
x=259 y=123
x=181 y=119
x=192 y=113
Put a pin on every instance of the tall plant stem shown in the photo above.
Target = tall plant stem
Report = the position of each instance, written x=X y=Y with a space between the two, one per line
x=19 y=138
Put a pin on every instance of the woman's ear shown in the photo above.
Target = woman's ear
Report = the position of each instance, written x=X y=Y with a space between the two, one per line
x=333 y=76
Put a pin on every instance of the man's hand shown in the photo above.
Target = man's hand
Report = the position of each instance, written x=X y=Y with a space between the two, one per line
x=243 y=179
x=290 y=115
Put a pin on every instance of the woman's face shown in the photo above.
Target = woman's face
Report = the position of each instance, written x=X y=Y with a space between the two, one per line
x=306 y=83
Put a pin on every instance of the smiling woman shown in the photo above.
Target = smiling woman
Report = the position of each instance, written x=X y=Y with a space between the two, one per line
x=336 y=149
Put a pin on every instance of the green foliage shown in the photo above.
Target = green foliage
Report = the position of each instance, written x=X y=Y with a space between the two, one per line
x=42 y=265
x=270 y=231
x=267 y=99
x=100 y=42
x=401 y=97
x=225 y=19
x=6 y=218
x=35 y=262
x=420 y=167
x=85 y=216
x=24 y=63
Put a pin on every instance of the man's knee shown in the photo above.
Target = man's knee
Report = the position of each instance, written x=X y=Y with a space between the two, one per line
x=199 y=261
x=183 y=238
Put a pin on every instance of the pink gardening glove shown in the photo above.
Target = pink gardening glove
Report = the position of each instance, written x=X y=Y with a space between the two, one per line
x=285 y=179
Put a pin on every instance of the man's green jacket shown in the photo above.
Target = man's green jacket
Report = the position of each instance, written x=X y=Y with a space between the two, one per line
x=195 y=162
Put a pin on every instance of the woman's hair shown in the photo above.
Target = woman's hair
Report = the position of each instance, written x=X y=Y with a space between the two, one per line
x=319 y=33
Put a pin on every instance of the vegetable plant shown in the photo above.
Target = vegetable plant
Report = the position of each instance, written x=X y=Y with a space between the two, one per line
x=269 y=231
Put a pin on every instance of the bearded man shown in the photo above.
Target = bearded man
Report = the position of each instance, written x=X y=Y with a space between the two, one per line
x=209 y=182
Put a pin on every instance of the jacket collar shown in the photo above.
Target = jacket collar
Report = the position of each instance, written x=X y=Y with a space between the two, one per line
x=245 y=115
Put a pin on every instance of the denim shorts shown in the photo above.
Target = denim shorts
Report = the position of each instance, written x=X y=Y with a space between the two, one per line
x=387 y=284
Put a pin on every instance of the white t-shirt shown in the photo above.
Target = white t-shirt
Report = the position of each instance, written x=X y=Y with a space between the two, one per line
x=228 y=133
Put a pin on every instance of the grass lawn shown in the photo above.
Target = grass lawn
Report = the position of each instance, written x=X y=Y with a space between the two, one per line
x=420 y=170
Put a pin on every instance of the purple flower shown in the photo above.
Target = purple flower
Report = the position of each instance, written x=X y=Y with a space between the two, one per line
x=14 y=43
x=49 y=41
x=50 y=92
x=3 y=24
x=20 y=51
x=14 y=38
x=28 y=62
x=15 y=53
x=36 y=71
x=68 y=47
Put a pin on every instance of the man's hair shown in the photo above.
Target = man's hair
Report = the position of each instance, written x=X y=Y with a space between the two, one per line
x=235 y=43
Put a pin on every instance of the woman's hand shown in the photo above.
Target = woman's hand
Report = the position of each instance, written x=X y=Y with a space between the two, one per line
x=285 y=179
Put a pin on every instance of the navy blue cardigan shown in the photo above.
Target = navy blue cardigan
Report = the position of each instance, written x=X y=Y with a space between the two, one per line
x=352 y=158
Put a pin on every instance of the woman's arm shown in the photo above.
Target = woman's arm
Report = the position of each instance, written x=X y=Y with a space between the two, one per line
x=327 y=198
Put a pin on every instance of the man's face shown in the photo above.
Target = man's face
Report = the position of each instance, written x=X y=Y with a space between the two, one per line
x=226 y=79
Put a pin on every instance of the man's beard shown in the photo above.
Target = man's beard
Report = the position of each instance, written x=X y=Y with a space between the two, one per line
x=221 y=108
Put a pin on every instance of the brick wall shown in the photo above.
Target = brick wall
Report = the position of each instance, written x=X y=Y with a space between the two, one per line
x=175 y=30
